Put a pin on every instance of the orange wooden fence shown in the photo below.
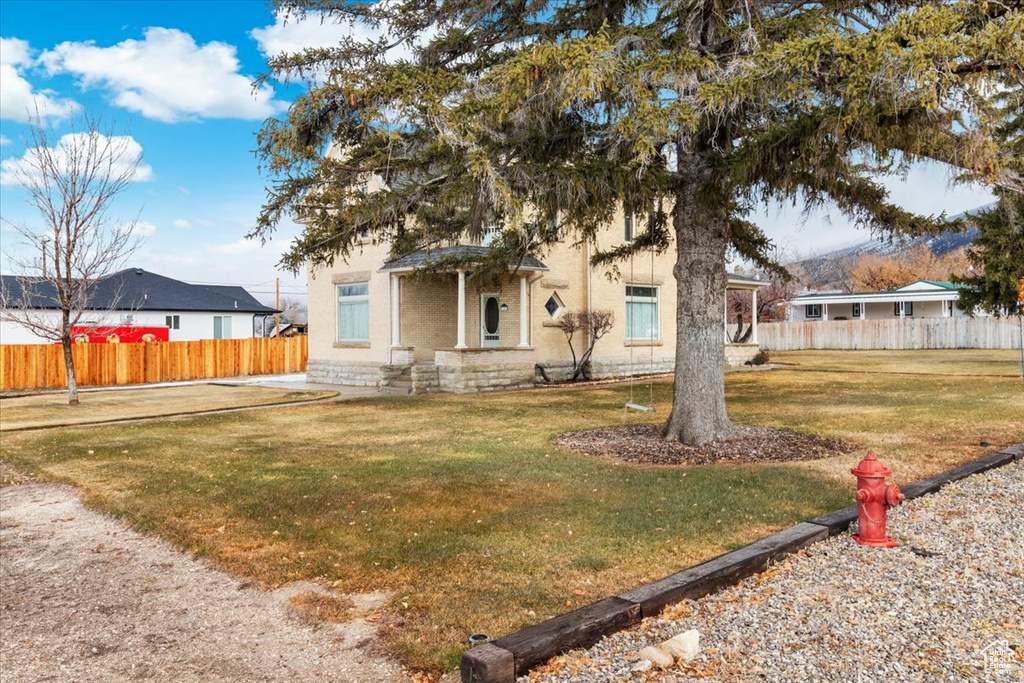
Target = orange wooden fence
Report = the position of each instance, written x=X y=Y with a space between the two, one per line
x=41 y=366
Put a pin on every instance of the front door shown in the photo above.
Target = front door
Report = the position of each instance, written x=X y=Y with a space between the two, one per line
x=490 y=317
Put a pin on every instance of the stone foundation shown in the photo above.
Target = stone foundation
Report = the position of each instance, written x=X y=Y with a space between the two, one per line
x=342 y=372
x=469 y=371
x=739 y=354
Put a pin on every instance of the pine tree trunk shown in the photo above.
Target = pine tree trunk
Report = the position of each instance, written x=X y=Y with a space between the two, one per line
x=698 y=401
x=69 y=360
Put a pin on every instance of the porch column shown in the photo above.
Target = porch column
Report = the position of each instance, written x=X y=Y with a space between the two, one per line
x=524 y=310
x=863 y=310
x=460 y=338
x=396 y=288
x=824 y=312
x=725 y=328
x=753 y=316
x=903 y=310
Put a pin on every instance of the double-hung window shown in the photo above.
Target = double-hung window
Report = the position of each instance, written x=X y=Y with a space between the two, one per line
x=354 y=312
x=856 y=310
x=629 y=227
x=173 y=321
x=641 y=313
x=812 y=311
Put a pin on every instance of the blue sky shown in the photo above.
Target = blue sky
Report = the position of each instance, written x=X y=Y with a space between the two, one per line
x=176 y=77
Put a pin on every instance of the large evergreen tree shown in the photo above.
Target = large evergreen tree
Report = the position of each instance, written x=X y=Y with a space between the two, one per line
x=690 y=114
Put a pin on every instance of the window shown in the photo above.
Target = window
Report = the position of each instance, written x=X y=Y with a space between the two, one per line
x=222 y=327
x=554 y=306
x=641 y=313
x=629 y=227
x=554 y=225
x=812 y=311
x=907 y=306
x=173 y=322
x=856 y=310
x=490 y=234
x=354 y=312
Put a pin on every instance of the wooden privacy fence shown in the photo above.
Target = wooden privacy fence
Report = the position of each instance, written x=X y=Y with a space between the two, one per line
x=909 y=333
x=41 y=366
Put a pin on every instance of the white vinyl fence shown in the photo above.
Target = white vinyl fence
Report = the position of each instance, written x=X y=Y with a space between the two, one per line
x=909 y=333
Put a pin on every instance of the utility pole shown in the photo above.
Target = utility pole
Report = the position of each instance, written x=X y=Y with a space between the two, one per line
x=277 y=305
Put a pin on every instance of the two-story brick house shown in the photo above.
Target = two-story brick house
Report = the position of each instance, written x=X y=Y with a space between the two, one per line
x=382 y=321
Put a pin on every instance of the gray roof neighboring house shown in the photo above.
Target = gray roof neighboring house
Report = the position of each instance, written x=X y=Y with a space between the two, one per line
x=134 y=289
x=425 y=258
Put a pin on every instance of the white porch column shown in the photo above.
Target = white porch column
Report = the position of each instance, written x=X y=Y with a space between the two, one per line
x=824 y=311
x=725 y=329
x=863 y=310
x=753 y=316
x=524 y=310
x=396 y=319
x=903 y=311
x=460 y=337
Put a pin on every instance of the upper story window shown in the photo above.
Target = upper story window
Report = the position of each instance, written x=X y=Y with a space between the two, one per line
x=554 y=226
x=812 y=311
x=354 y=312
x=488 y=236
x=630 y=227
x=641 y=313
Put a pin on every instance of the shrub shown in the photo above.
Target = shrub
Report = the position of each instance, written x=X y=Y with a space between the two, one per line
x=762 y=358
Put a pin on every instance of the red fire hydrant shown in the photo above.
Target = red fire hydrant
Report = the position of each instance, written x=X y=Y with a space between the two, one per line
x=874 y=498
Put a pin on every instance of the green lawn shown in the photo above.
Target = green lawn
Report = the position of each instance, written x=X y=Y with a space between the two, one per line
x=461 y=508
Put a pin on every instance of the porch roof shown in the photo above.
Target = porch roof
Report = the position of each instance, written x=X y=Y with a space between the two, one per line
x=422 y=258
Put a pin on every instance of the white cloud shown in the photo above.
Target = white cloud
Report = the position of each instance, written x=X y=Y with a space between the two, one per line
x=289 y=35
x=119 y=151
x=238 y=248
x=167 y=76
x=181 y=223
x=18 y=100
x=4 y=140
x=205 y=223
x=144 y=229
x=184 y=190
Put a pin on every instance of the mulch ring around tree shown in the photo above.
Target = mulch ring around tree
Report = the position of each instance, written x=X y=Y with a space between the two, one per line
x=643 y=444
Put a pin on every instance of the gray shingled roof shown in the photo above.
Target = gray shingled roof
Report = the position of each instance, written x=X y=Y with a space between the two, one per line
x=424 y=258
x=134 y=289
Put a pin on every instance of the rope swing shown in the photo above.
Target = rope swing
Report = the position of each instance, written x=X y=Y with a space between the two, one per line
x=632 y=404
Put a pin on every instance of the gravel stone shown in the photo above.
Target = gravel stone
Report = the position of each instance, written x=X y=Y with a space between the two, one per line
x=839 y=612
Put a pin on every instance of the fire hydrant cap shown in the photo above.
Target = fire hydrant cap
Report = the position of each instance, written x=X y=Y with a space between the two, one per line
x=870 y=466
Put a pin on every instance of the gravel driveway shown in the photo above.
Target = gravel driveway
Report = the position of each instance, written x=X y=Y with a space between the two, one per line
x=84 y=599
x=838 y=612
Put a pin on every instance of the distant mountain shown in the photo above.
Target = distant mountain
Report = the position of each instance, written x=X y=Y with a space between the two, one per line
x=820 y=269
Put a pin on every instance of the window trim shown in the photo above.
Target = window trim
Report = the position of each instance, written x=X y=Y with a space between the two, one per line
x=629 y=226
x=352 y=299
x=559 y=308
x=857 y=308
x=173 y=322
x=811 y=316
x=643 y=299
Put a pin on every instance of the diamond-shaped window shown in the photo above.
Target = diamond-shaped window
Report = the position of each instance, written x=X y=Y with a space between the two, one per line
x=554 y=306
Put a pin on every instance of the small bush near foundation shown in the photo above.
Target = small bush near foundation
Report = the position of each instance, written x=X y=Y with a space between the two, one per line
x=762 y=358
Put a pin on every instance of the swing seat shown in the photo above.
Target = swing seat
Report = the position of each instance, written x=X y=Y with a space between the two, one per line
x=637 y=406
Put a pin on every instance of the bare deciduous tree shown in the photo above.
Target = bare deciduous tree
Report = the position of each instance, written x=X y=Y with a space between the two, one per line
x=593 y=324
x=71 y=182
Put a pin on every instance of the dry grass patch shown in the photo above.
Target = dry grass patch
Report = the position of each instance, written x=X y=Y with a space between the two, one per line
x=52 y=410
x=320 y=608
x=463 y=510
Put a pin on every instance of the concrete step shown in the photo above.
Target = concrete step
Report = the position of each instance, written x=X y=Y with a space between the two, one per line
x=393 y=390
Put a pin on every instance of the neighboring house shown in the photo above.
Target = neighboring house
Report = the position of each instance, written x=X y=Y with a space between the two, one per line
x=921 y=299
x=380 y=321
x=135 y=297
